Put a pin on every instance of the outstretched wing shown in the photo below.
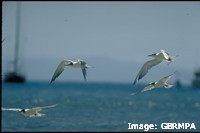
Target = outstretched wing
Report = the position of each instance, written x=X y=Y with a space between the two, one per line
x=84 y=73
x=44 y=107
x=60 y=69
x=147 y=88
x=148 y=65
x=165 y=79
x=83 y=67
x=11 y=109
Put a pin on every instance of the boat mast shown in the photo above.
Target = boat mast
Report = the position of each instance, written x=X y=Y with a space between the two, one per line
x=17 y=37
x=15 y=76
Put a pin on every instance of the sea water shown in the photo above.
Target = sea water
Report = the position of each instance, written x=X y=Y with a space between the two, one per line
x=100 y=107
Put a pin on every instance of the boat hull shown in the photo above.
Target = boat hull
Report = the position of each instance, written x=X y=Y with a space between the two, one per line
x=14 y=77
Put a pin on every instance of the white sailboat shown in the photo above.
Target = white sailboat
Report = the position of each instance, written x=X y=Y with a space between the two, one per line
x=15 y=76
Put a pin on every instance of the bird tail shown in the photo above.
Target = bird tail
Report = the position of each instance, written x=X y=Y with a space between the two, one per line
x=87 y=66
x=174 y=57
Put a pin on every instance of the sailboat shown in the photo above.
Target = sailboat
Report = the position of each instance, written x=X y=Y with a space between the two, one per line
x=14 y=76
x=196 y=79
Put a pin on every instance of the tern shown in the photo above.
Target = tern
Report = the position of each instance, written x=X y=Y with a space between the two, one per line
x=162 y=83
x=30 y=112
x=157 y=58
x=76 y=64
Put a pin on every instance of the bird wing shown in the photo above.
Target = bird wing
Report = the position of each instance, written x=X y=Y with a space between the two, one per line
x=148 y=65
x=44 y=107
x=84 y=73
x=83 y=67
x=12 y=109
x=60 y=69
x=147 y=88
x=165 y=79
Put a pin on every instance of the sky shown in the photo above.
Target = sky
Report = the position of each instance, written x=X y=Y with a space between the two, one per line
x=115 y=37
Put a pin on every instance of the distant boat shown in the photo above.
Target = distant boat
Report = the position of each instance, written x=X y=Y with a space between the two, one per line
x=196 y=79
x=14 y=76
x=178 y=83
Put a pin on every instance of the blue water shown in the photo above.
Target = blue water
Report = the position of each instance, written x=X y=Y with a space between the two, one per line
x=98 y=107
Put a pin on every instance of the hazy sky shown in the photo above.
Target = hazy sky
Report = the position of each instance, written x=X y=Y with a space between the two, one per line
x=123 y=31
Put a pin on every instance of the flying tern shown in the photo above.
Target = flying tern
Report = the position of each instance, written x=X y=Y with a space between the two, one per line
x=157 y=58
x=30 y=112
x=162 y=83
x=76 y=64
